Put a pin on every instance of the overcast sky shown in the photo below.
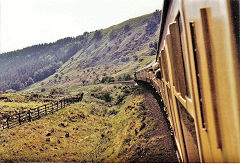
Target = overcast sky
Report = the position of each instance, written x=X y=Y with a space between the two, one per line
x=28 y=22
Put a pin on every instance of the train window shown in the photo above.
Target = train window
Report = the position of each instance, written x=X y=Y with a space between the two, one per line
x=172 y=113
x=177 y=56
x=158 y=74
x=173 y=56
x=205 y=15
x=169 y=44
x=165 y=65
x=235 y=12
x=161 y=68
x=162 y=65
x=180 y=28
x=197 y=68
x=189 y=133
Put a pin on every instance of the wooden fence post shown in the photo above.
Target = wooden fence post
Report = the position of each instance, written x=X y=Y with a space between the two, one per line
x=52 y=108
x=45 y=109
x=29 y=115
x=38 y=113
x=81 y=97
x=19 y=118
x=8 y=122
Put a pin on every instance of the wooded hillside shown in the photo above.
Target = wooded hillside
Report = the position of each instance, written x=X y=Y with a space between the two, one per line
x=86 y=59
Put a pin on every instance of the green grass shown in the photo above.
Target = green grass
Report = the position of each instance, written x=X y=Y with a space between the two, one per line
x=99 y=131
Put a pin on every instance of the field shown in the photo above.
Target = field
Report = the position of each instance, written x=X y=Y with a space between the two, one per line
x=12 y=103
x=111 y=124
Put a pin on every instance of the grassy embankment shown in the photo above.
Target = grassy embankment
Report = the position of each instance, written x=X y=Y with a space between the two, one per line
x=109 y=125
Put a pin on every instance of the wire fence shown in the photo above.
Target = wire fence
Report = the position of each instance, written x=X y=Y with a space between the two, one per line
x=36 y=113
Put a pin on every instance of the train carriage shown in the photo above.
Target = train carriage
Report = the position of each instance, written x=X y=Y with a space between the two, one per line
x=197 y=75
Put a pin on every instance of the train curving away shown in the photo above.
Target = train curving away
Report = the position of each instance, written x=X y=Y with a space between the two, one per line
x=197 y=74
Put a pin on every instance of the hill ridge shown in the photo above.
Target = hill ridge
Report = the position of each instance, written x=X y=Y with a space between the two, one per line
x=109 y=50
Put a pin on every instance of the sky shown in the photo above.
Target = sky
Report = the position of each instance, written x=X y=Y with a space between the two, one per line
x=29 y=22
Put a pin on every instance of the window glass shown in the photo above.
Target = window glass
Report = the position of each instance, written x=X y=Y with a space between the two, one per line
x=189 y=133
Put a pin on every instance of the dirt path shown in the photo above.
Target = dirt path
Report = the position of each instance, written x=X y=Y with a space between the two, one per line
x=161 y=130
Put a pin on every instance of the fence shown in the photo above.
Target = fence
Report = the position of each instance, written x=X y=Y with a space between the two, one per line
x=37 y=113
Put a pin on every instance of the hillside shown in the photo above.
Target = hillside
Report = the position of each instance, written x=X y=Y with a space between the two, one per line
x=93 y=57
x=127 y=127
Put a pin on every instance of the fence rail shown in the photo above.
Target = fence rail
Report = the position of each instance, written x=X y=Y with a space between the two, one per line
x=37 y=113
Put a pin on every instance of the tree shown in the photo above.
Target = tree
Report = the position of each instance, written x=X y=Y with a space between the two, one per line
x=151 y=27
x=127 y=28
x=30 y=81
x=97 y=35
x=71 y=51
x=153 y=22
x=112 y=35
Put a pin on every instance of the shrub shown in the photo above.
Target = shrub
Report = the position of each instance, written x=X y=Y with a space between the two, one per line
x=43 y=89
x=103 y=96
x=112 y=112
x=96 y=81
x=107 y=97
x=125 y=59
x=135 y=58
x=55 y=91
x=125 y=77
x=107 y=79
x=153 y=52
x=120 y=98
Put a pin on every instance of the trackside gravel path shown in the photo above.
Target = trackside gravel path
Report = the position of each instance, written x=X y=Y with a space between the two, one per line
x=154 y=110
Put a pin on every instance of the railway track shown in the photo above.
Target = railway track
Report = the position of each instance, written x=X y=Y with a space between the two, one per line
x=131 y=82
